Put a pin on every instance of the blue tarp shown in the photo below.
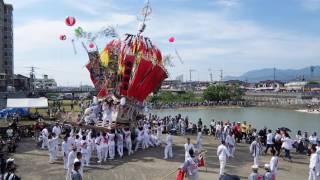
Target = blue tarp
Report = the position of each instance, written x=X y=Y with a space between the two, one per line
x=21 y=111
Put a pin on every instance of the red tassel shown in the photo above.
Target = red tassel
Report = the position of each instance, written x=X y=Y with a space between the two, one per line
x=201 y=162
x=180 y=175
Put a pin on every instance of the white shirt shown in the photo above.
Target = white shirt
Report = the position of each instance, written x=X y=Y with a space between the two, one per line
x=56 y=130
x=313 y=139
x=187 y=147
x=65 y=149
x=222 y=152
x=269 y=138
x=287 y=143
x=71 y=158
x=45 y=132
x=274 y=164
x=230 y=140
x=169 y=140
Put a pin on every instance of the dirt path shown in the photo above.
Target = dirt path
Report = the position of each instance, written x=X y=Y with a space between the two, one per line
x=149 y=165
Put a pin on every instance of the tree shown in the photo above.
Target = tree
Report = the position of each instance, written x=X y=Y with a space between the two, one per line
x=222 y=92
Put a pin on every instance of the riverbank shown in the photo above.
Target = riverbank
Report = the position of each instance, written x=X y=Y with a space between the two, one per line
x=149 y=164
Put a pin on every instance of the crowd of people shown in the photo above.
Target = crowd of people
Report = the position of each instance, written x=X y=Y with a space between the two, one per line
x=79 y=145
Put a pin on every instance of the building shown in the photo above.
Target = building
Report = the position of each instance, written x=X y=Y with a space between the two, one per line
x=21 y=83
x=295 y=86
x=269 y=85
x=44 y=83
x=6 y=46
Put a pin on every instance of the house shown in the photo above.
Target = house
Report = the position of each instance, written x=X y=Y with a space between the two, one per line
x=269 y=85
x=296 y=86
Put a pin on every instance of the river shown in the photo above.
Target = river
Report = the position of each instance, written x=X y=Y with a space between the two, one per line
x=257 y=116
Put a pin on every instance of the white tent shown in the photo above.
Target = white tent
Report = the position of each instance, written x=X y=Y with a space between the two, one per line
x=41 y=102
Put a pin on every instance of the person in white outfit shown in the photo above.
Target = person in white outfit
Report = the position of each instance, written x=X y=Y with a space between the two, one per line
x=104 y=146
x=119 y=142
x=65 y=152
x=84 y=150
x=313 y=139
x=255 y=150
x=314 y=165
x=79 y=159
x=44 y=134
x=159 y=131
x=222 y=153
x=139 y=138
x=231 y=143
x=51 y=148
x=190 y=166
x=168 y=147
x=187 y=147
x=111 y=144
x=199 y=140
x=56 y=129
x=127 y=137
x=71 y=157
x=274 y=162
x=98 y=142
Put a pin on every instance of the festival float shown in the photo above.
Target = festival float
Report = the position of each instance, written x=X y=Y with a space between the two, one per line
x=125 y=72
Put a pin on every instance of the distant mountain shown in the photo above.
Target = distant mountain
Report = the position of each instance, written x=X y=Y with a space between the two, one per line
x=281 y=74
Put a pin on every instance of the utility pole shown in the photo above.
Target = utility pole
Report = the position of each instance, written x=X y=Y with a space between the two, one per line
x=190 y=71
x=32 y=77
x=221 y=76
x=274 y=74
x=211 y=76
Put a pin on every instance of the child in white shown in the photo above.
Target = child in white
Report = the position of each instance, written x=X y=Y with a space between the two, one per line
x=168 y=148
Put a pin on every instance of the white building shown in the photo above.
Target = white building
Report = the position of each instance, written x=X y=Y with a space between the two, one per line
x=295 y=86
x=44 y=83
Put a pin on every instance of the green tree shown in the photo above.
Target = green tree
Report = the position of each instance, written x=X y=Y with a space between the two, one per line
x=222 y=92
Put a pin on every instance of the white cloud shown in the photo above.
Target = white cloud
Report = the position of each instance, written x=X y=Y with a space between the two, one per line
x=312 y=5
x=227 y=3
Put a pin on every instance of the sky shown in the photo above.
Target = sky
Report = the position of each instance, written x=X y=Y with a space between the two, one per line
x=233 y=35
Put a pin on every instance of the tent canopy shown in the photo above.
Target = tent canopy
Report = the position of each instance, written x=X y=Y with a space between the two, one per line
x=27 y=102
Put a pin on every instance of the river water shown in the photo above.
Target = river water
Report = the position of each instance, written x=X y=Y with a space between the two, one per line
x=257 y=116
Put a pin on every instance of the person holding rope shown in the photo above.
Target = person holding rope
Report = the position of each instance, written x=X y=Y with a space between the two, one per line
x=190 y=166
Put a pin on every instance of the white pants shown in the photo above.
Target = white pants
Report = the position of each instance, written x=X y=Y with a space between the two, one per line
x=231 y=150
x=138 y=144
x=168 y=151
x=99 y=152
x=312 y=175
x=111 y=150
x=88 y=157
x=104 y=151
x=256 y=160
x=223 y=162
x=68 y=176
x=65 y=162
x=120 y=148
x=44 y=142
x=129 y=147
x=51 y=155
